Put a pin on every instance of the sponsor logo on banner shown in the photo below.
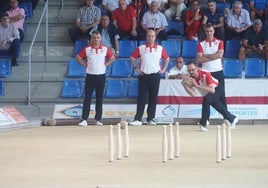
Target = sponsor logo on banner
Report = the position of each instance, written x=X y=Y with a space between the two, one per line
x=164 y=113
x=241 y=111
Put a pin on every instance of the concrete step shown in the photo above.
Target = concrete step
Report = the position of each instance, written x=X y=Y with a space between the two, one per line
x=46 y=71
x=63 y=51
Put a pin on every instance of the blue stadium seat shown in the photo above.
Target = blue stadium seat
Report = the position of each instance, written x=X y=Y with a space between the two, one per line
x=121 y=69
x=1 y=88
x=108 y=71
x=127 y=47
x=232 y=68
x=171 y=64
x=189 y=48
x=141 y=42
x=72 y=88
x=5 y=68
x=116 y=89
x=232 y=48
x=173 y=47
x=254 y=68
x=75 y=70
x=79 y=45
x=133 y=89
x=28 y=9
x=175 y=29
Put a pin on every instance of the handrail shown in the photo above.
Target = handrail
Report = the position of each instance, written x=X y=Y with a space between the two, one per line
x=45 y=12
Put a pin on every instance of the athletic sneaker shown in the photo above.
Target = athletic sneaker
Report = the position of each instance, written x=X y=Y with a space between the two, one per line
x=136 y=123
x=98 y=123
x=83 y=123
x=152 y=122
x=203 y=128
x=234 y=123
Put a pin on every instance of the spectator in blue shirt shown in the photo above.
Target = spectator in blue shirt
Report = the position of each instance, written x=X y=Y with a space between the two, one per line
x=215 y=17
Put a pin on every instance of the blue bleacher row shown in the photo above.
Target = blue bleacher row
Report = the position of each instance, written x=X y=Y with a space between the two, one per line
x=124 y=87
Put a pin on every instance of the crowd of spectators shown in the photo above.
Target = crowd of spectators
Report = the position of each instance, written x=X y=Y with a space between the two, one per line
x=132 y=18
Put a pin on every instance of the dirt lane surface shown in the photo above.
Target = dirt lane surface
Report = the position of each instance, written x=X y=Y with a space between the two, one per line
x=77 y=157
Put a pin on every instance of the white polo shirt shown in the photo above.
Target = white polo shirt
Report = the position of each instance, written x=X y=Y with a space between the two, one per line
x=211 y=47
x=150 y=57
x=96 y=59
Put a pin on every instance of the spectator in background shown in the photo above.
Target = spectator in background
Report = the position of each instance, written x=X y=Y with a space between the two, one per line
x=9 y=39
x=88 y=18
x=174 y=12
x=95 y=63
x=258 y=9
x=17 y=16
x=214 y=16
x=155 y=20
x=124 y=18
x=255 y=41
x=161 y=4
x=179 y=70
x=193 y=20
x=237 y=21
x=109 y=35
x=140 y=6
x=108 y=6
x=149 y=72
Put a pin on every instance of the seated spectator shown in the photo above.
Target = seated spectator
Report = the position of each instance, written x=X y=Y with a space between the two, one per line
x=88 y=18
x=140 y=7
x=258 y=9
x=193 y=20
x=255 y=41
x=155 y=20
x=9 y=39
x=17 y=16
x=34 y=2
x=174 y=12
x=214 y=16
x=109 y=35
x=161 y=4
x=237 y=21
x=179 y=70
x=108 y=6
x=124 y=18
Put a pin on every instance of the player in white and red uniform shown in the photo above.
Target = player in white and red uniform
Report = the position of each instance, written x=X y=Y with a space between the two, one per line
x=209 y=54
x=149 y=71
x=97 y=57
x=206 y=84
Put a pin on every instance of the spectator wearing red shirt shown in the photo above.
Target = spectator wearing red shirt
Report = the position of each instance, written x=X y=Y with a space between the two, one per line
x=124 y=18
x=193 y=20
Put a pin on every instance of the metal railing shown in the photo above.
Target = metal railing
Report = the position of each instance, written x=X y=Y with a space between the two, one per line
x=44 y=13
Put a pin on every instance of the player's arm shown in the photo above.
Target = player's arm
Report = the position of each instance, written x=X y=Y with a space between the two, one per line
x=186 y=82
x=217 y=55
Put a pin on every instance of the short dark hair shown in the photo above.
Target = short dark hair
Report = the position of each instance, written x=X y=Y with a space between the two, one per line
x=3 y=14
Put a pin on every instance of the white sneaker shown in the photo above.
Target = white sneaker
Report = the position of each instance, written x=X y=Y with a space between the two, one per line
x=98 y=123
x=203 y=129
x=136 y=123
x=234 y=123
x=152 y=122
x=83 y=123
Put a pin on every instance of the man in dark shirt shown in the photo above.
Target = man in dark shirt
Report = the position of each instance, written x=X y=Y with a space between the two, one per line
x=255 y=41
x=214 y=16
